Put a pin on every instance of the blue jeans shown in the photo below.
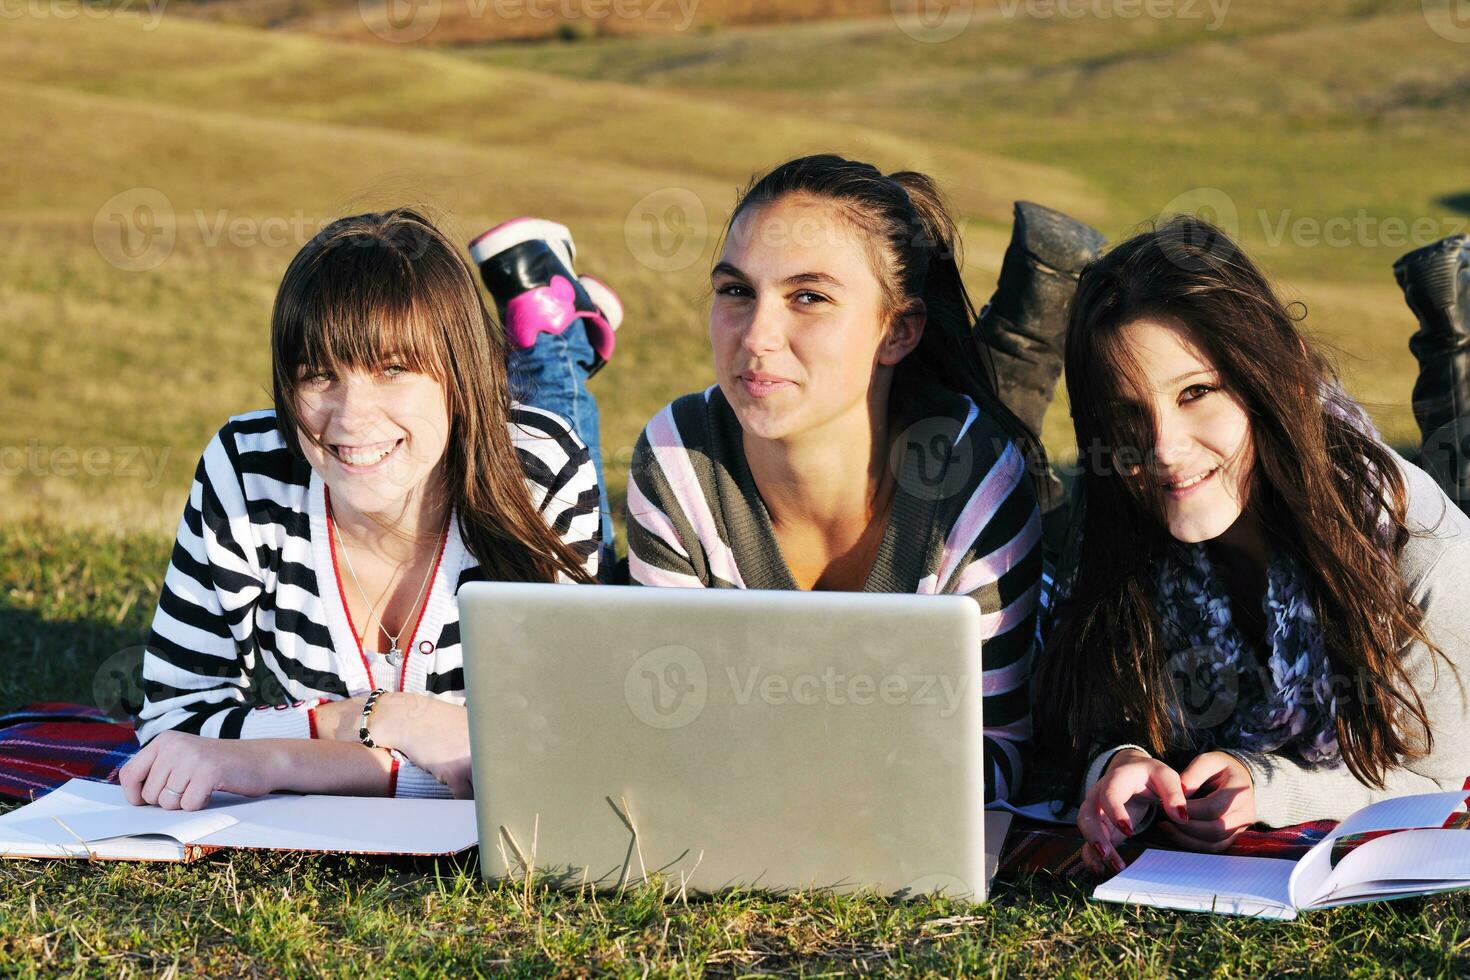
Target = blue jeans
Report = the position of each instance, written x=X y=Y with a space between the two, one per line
x=550 y=376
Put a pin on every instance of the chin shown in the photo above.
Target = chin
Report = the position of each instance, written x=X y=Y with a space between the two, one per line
x=761 y=421
x=1196 y=530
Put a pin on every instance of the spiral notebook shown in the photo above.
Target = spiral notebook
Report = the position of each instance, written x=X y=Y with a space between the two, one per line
x=88 y=819
x=1407 y=846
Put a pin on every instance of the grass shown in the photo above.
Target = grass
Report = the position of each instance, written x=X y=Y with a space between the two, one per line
x=1293 y=114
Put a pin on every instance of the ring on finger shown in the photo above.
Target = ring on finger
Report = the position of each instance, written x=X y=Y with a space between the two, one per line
x=170 y=789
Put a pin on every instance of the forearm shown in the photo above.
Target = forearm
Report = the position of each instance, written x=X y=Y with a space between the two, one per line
x=330 y=767
x=1289 y=791
x=391 y=723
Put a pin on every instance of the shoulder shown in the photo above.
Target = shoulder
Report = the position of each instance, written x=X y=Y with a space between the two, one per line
x=252 y=448
x=253 y=432
x=1439 y=547
x=982 y=467
x=688 y=421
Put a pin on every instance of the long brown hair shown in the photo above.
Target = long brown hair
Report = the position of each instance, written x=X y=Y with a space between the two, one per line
x=1324 y=487
x=391 y=282
x=917 y=261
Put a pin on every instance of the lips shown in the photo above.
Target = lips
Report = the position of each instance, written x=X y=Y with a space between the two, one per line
x=760 y=384
x=1183 y=485
x=364 y=456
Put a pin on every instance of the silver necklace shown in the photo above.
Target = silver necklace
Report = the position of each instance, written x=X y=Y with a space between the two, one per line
x=394 y=656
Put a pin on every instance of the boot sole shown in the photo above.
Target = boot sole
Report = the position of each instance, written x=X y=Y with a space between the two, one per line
x=511 y=233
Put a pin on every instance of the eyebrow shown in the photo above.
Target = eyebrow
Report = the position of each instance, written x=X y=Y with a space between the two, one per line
x=1187 y=374
x=801 y=278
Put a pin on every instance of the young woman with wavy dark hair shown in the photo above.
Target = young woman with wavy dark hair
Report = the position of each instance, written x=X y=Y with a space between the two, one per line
x=1266 y=620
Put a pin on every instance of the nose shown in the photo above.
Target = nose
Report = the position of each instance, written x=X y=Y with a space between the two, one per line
x=1174 y=442
x=355 y=408
x=765 y=332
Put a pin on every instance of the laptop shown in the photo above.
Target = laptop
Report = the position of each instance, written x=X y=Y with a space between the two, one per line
x=727 y=738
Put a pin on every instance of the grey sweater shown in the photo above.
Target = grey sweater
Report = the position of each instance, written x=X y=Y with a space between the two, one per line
x=1435 y=565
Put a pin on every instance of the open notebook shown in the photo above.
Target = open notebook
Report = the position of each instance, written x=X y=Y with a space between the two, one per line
x=86 y=819
x=1411 y=845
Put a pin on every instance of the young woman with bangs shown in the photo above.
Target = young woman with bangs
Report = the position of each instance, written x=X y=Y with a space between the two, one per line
x=1265 y=621
x=324 y=539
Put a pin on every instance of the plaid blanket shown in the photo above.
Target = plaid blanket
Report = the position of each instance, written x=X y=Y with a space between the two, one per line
x=45 y=744
x=1033 y=847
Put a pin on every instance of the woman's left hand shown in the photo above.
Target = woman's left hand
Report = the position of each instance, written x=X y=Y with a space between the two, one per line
x=1226 y=807
x=178 y=771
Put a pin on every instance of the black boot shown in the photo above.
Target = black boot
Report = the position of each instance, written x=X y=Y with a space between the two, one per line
x=1436 y=284
x=1025 y=322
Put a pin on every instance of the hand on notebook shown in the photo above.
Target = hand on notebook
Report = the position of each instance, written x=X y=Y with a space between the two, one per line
x=178 y=771
x=1222 y=802
x=1116 y=804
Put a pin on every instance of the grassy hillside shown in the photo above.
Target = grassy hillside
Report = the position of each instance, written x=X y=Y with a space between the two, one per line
x=444 y=22
x=242 y=141
x=253 y=139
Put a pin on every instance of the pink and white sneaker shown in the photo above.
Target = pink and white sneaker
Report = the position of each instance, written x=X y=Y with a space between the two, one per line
x=527 y=266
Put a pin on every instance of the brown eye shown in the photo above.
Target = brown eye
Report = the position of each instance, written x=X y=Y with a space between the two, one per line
x=1195 y=392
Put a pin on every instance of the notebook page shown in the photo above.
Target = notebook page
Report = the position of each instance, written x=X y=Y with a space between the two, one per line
x=1221 y=883
x=33 y=830
x=1399 y=813
x=184 y=826
x=32 y=823
x=1404 y=813
x=1399 y=861
x=352 y=824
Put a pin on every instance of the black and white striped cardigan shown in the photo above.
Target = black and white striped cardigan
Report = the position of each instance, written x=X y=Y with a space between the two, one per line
x=252 y=599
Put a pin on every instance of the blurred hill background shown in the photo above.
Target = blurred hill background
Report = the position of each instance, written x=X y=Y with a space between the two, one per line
x=159 y=166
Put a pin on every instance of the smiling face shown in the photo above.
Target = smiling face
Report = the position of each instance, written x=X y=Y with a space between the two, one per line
x=1204 y=455
x=797 y=324
x=376 y=438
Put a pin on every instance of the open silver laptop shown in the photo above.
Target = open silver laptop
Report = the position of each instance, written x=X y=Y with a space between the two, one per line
x=777 y=740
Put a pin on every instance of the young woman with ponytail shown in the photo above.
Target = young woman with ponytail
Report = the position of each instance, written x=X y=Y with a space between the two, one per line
x=854 y=440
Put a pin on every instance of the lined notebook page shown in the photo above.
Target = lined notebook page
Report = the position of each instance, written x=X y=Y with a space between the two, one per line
x=1423 y=810
x=99 y=812
x=1408 y=861
x=1204 y=883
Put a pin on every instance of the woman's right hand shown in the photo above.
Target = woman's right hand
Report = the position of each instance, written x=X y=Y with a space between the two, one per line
x=1133 y=782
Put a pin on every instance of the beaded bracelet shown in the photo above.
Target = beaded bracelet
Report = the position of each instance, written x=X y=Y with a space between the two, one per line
x=367 y=709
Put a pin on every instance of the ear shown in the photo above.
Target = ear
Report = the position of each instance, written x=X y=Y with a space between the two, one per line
x=903 y=336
